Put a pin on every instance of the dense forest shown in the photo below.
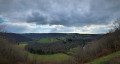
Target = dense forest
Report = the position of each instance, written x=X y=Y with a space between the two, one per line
x=56 y=47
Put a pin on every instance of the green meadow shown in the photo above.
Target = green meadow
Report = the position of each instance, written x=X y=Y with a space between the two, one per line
x=47 y=40
x=52 y=57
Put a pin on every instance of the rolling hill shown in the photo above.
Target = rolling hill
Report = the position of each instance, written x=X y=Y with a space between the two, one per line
x=12 y=37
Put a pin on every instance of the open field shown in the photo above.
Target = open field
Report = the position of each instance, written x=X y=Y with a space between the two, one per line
x=47 y=40
x=53 y=57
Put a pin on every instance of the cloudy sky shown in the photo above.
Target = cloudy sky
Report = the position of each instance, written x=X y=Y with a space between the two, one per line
x=59 y=16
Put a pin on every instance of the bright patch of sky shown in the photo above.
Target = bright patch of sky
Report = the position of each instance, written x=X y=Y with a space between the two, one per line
x=1 y=20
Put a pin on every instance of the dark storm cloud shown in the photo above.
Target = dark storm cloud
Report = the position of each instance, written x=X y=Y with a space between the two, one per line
x=61 y=12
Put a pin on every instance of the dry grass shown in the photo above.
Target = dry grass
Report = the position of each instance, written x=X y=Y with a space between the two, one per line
x=114 y=60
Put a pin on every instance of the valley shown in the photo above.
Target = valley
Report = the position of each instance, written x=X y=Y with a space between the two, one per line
x=52 y=46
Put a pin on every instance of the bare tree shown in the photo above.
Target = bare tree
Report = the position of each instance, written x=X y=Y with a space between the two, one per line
x=2 y=27
x=115 y=26
x=2 y=30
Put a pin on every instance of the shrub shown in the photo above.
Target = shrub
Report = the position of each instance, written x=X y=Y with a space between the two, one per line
x=104 y=52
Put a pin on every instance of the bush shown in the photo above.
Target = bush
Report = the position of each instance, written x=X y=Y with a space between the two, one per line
x=10 y=53
x=104 y=52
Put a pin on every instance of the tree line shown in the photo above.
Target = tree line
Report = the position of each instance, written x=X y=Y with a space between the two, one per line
x=56 y=47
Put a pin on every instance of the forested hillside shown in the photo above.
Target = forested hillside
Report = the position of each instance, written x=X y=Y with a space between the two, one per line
x=16 y=38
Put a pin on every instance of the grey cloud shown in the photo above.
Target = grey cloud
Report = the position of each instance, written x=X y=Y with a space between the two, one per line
x=16 y=28
x=24 y=28
x=62 y=29
x=61 y=12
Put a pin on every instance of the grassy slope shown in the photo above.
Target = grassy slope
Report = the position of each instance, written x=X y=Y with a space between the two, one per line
x=53 y=57
x=105 y=58
x=46 y=40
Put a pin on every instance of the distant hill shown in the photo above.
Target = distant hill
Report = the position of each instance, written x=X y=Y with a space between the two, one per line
x=26 y=37
x=43 y=35
x=12 y=37
x=46 y=35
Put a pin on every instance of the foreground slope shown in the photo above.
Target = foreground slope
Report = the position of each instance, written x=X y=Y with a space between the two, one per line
x=103 y=59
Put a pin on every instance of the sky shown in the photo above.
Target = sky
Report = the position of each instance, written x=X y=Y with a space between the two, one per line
x=59 y=16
